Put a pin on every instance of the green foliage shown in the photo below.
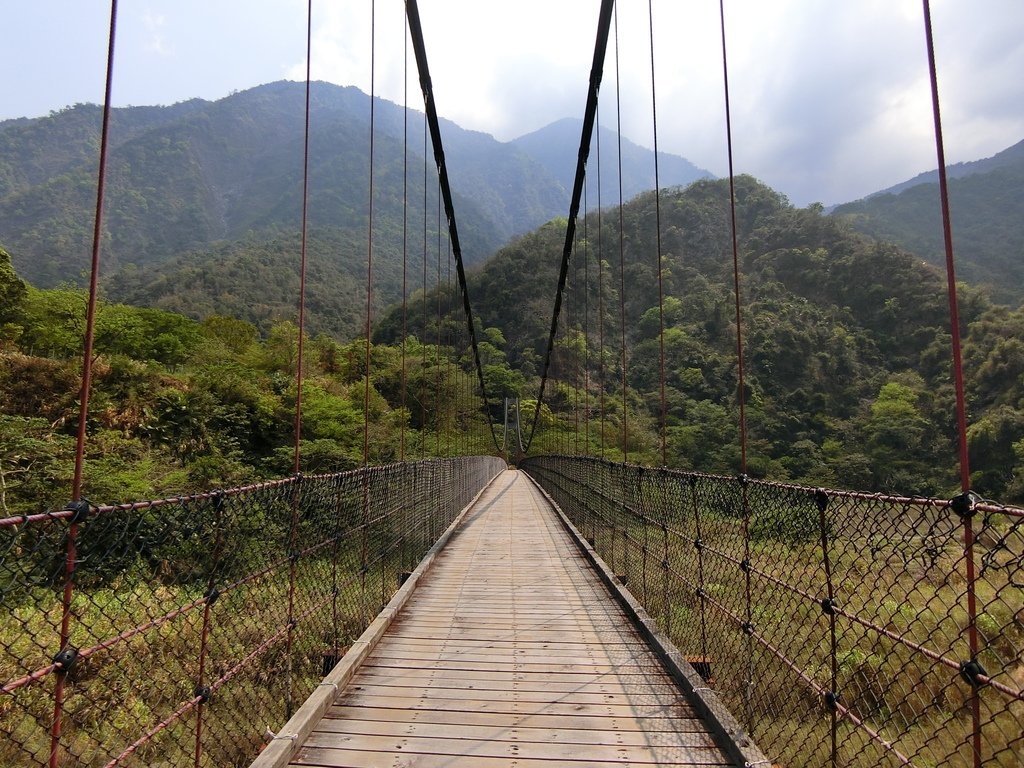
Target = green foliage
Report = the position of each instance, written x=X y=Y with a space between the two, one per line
x=986 y=209
x=12 y=295
x=846 y=343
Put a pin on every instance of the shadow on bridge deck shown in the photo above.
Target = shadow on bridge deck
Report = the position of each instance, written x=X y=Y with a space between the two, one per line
x=508 y=650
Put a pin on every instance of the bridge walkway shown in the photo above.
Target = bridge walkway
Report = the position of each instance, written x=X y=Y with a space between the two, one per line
x=509 y=652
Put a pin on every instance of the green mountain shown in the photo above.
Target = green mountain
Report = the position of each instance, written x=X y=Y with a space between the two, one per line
x=555 y=146
x=846 y=341
x=847 y=344
x=202 y=197
x=986 y=198
x=185 y=177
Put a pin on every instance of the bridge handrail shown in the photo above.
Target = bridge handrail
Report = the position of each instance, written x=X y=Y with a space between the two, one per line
x=210 y=615
x=834 y=623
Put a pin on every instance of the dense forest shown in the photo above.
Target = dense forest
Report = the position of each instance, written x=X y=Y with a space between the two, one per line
x=180 y=405
x=846 y=341
x=187 y=179
x=986 y=198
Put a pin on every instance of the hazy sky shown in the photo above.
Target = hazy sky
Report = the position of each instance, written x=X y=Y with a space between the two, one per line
x=830 y=98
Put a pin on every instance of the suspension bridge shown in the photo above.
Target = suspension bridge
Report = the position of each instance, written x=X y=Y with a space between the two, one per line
x=567 y=611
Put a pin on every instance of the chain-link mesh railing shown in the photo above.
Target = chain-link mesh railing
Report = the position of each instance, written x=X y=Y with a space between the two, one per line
x=843 y=629
x=196 y=625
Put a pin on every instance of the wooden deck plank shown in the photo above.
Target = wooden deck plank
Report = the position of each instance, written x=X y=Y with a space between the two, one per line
x=339 y=758
x=504 y=732
x=510 y=654
x=490 y=747
x=550 y=721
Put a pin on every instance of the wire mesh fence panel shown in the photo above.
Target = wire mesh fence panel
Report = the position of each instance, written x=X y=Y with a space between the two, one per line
x=840 y=628
x=195 y=626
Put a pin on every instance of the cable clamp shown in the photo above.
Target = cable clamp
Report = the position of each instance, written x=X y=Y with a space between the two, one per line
x=832 y=699
x=821 y=499
x=80 y=510
x=971 y=671
x=65 y=660
x=202 y=692
x=964 y=504
x=828 y=606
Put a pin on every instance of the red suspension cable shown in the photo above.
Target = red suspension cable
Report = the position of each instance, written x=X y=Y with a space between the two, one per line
x=947 y=236
x=369 y=238
x=405 y=227
x=302 y=257
x=86 y=391
x=297 y=450
x=622 y=247
x=657 y=224
x=600 y=285
x=958 y=378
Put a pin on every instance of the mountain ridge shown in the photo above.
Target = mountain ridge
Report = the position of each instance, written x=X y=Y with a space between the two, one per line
x=986 y=197
x=185 y=177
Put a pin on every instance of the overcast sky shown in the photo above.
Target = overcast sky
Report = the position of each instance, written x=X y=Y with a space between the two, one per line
x=830 y=98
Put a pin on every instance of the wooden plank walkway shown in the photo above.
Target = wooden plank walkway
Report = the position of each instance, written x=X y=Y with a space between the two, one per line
x=510 y=652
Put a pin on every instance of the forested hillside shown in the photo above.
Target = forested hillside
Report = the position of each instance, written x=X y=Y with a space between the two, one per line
x=846 y=340
x=986 y=200
x=186 y=180
x=180 y=405
x=187 y=177
x=847 y=344
x=555 y=146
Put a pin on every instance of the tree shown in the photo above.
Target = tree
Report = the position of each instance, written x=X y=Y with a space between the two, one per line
x=12 y=296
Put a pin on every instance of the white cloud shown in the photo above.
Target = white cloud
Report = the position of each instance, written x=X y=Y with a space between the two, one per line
x=830 y=100
x=154 y=25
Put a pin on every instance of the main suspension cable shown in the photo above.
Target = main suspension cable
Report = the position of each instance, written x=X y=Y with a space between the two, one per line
x=596 y=72
x=369 y=244
x=622 y=248
x=419 y=48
